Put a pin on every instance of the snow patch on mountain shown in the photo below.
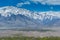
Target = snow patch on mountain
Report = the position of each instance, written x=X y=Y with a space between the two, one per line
x=9 y=10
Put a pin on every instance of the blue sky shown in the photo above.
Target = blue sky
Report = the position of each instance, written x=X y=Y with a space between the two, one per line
x=33 y=5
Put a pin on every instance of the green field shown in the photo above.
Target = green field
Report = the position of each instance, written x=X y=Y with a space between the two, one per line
x=29 y=38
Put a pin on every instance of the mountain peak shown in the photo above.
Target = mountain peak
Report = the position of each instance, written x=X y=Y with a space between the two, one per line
x=8 y=10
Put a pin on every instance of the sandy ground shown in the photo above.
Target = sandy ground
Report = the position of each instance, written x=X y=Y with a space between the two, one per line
x=29 y=33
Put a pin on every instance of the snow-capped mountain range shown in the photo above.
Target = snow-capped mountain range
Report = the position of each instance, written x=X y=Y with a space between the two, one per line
x=9 y=10
x=11 y=16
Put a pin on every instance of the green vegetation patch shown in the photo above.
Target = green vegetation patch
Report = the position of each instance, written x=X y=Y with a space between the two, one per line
x=29 y=38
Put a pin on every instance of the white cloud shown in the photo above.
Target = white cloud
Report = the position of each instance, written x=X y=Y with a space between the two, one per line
x=23 y=3
x=49 y=2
